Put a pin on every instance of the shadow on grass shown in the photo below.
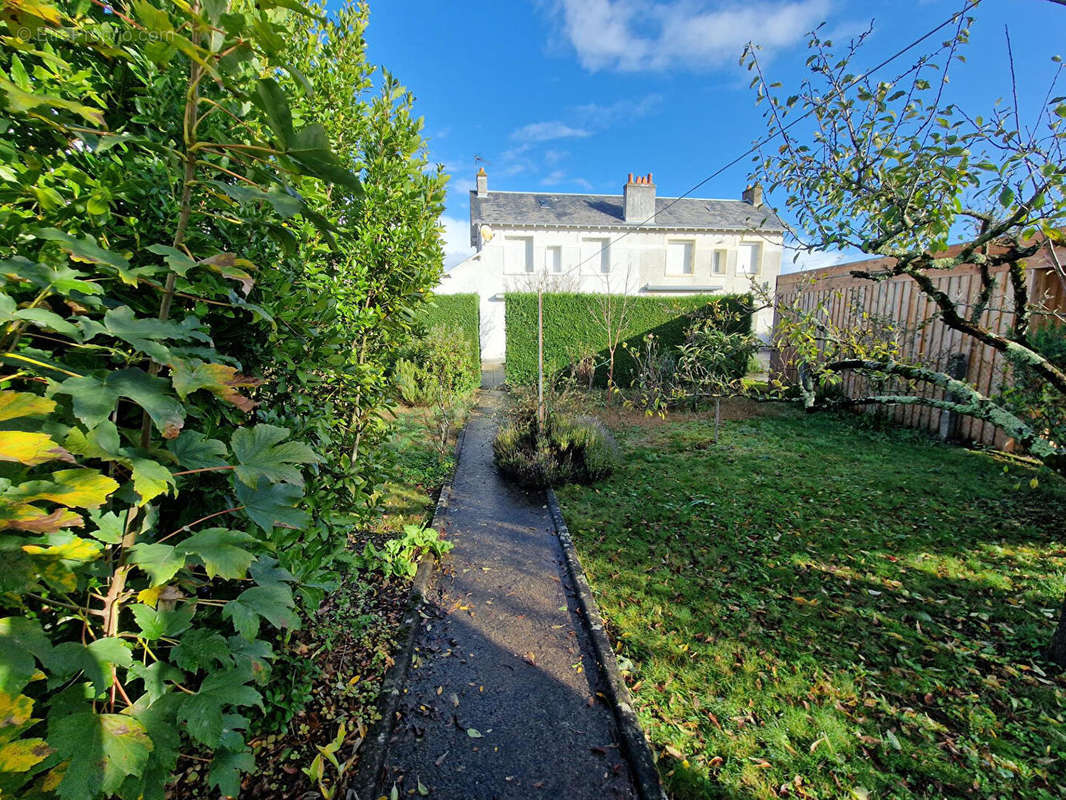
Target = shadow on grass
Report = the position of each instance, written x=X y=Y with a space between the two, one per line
x=817 y=611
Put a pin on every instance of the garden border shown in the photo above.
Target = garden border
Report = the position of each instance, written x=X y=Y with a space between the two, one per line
x=364 y=785
x=635 y=744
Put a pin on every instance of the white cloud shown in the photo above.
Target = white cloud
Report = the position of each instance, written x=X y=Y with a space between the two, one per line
x=547 y=131
x=603 y=115
x=456 y=240
x=631 y=36
x=553 y=178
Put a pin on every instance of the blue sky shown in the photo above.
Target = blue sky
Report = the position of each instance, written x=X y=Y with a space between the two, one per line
x=571 y=95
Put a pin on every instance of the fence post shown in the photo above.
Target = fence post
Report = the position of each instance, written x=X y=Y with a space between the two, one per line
x=958 y=363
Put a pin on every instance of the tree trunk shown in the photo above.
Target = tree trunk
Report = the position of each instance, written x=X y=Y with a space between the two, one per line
x=1057 y=651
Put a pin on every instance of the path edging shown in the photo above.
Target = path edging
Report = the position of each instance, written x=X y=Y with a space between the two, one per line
x=635 y=744
x=364 y=785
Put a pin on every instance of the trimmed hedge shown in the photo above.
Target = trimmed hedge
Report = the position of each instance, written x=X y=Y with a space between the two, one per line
x=455 y=310
x=573 y=328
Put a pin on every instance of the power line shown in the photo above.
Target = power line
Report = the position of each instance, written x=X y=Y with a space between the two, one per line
x=770 y=137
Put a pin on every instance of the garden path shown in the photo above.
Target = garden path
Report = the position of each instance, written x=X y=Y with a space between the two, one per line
x=504 y=698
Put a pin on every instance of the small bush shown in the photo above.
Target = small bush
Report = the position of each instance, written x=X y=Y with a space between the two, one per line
x=569 y=450
x=440 y=368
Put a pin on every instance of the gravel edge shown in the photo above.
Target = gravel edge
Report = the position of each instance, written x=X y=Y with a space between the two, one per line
x=365 y=783
x=635 y=744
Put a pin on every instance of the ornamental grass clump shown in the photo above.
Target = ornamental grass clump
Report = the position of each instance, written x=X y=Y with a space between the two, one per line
x=569 y=449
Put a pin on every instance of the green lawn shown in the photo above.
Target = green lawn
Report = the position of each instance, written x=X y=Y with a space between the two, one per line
x=815 y=609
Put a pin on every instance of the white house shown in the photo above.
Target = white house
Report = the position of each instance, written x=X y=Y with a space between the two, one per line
x=634 y=243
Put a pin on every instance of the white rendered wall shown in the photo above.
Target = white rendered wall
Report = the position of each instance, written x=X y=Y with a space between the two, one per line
x=638 y=261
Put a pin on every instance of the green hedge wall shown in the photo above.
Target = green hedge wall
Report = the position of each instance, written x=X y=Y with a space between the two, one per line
x=458 y=310
x=573 y=327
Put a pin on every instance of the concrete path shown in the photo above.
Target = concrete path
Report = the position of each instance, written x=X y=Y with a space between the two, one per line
x=504 y=699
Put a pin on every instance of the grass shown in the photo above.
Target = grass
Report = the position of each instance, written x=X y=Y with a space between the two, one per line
x=417 y=471
x=815 y=609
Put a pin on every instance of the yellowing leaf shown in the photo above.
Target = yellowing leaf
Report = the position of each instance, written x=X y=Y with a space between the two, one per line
x=150 y=596
x=23 y=754
x=24 y=404
x=25 y=517
x=36 y=8
x=14 y=710
x=84 y=488
x=74 y=550
x=219 y=379
x=31 y=449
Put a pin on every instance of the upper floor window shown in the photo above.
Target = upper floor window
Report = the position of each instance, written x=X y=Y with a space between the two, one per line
x=553 y=259
x=679 y=256
x=748 y=257
x=719 y=261
x=518 y=254
x=596 y=256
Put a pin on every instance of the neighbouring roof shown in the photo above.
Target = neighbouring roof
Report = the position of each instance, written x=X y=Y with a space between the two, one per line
x=594 y=211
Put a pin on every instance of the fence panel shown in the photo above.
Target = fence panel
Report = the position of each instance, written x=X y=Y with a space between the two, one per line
x=923 y=337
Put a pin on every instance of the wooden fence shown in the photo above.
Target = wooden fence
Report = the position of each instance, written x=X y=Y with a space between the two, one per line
x=851 y=302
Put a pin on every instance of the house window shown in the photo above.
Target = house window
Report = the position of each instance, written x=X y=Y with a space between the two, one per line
x=518 y=254
x=596 y=256
x=748 y=256
x=679 y=257
x=553 y=259
x=718 y=265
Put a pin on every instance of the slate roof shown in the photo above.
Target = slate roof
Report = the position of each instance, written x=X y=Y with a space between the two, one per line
x=592 y=211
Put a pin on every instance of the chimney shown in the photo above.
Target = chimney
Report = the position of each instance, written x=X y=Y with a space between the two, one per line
x=753 y=195
x=638 y=200
x=482 y=183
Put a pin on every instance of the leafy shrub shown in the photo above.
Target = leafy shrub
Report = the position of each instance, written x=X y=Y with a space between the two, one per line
x=400 y=557
x=440 y=368
x=568 y=450
x=193 y=321
x=574 y=328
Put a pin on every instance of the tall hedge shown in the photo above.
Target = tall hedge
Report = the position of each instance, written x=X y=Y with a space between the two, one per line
x=573 y=328
x=456 y=310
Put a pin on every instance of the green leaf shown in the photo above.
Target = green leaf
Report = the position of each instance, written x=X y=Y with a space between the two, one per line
x=310 y=148
x=86 y=250
x=273 y=603
x=155 y=677
x=220 y=551
x=109 y=526
x=193 y=450
x=151 y=479
x=263 y=453
x=21 y=640
x=95 y=400
x=21 y=102
x=226 y=769
x=270 y=504
x=63 y=280
x=270 y=97
x=160 y=561
x=102 y=750
x=202 y=712
x=177 y=260
x=94 y=660
x=202 y=649
x=151 y=394
x=155 y=623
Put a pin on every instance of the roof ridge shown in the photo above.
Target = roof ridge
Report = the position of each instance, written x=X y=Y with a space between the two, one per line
x=619 y=196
